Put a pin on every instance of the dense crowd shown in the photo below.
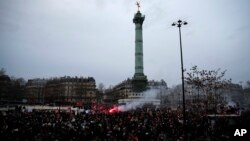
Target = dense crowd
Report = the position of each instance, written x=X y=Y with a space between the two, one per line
x=141 y=124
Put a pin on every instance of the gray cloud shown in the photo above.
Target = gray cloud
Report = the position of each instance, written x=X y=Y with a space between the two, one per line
x=45 y=38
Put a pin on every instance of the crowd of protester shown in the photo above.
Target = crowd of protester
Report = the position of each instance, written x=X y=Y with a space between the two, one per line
x=144 y=124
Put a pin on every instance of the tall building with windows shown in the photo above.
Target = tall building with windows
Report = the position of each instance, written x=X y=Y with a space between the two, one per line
x=63 y=90
x=71 y=90
x=34 y=90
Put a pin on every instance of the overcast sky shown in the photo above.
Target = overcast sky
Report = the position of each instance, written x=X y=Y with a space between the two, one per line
x=48 y=38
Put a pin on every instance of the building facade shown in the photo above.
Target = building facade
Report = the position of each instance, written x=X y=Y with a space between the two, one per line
x=34 y=90
x=71 y=90
x=63 y=90
x=5 y=87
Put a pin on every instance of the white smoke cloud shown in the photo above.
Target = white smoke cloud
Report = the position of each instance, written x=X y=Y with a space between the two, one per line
x=149 y=97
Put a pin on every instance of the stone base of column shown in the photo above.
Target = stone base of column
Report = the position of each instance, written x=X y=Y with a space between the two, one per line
x=139 y=82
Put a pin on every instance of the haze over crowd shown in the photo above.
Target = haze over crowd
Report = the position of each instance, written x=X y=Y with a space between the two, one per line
x=44 y=38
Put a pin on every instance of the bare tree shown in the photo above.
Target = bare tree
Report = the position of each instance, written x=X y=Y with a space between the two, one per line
x=17 y=88
x=2 y=71
x=101 y=87
x=248 y=85
x=195 y=78
x=210 y=81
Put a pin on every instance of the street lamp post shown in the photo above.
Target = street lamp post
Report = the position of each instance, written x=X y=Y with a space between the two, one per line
x=179 y=23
